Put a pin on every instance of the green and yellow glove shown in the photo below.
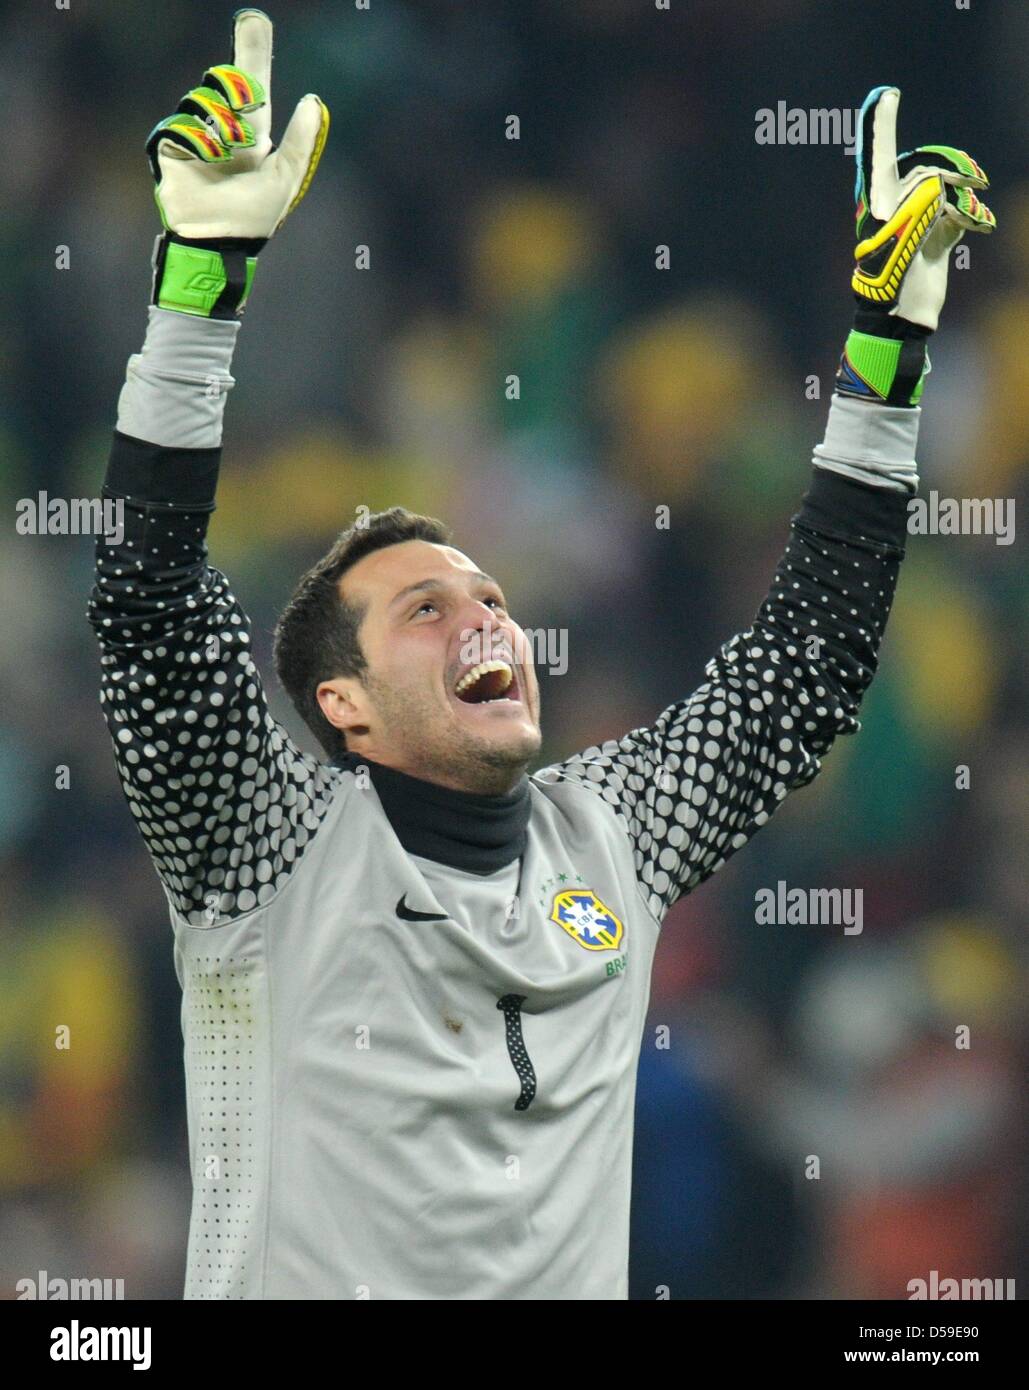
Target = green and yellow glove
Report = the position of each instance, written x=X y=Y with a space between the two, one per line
x=223 y=187
x=911 y=212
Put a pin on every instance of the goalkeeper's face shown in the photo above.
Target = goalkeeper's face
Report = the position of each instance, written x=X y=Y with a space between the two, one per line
x=450 y=692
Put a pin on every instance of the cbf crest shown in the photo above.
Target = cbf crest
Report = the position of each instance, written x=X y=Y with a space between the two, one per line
x=587 y=920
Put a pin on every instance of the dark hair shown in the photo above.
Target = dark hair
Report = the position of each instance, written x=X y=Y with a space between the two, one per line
x=316 y=636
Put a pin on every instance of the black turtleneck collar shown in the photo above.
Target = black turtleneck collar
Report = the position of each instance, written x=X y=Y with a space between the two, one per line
x=480 y=834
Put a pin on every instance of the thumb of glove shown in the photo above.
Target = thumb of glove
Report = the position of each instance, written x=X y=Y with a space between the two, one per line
x=296 y=159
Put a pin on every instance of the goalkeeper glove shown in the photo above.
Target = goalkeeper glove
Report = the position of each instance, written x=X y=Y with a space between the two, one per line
x=911 y=212
x=223 y=187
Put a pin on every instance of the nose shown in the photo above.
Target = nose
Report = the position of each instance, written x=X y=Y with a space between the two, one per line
x=480 y=631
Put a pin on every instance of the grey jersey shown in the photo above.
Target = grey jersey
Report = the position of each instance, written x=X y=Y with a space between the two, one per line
x=405 y=1078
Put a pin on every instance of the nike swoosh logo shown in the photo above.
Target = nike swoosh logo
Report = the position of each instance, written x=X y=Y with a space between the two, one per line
x=410 y=915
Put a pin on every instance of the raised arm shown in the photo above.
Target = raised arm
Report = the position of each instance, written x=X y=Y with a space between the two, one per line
x=225 y=801
x=692 y=788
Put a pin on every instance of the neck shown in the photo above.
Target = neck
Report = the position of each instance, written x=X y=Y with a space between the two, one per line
x=479 y=779
x=480 y=831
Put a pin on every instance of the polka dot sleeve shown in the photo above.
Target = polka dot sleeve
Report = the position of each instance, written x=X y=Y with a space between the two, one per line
x=225 y=801
x=694 y=787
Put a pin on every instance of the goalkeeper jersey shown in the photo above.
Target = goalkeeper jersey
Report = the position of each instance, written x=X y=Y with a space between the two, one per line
x=412 y=1017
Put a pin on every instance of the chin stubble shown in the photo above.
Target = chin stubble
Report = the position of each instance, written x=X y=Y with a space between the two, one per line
x=482 y=765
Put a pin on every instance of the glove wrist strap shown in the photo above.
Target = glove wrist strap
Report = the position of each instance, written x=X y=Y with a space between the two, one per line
x=884 y=359
x=210 y=279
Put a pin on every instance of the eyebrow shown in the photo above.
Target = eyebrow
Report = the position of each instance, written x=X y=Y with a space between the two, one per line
x=435 y=584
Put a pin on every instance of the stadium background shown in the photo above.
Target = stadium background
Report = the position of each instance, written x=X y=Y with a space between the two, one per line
x=639 y=387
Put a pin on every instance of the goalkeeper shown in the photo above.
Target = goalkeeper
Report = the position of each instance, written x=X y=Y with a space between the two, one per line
x=415 y=977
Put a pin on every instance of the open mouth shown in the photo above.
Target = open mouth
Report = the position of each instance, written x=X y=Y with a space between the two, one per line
x=487 y=683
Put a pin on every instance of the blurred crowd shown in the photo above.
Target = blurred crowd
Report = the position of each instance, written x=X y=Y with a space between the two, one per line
x=687 y=388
